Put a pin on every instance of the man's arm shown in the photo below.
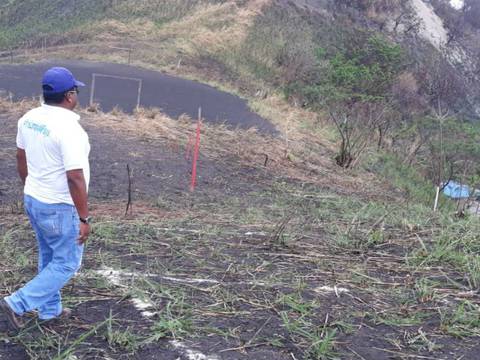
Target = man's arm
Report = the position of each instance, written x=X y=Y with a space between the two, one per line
x=78 y=191
x=22 y=164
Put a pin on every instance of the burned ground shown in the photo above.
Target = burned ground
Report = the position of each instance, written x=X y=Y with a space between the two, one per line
x=257 y=263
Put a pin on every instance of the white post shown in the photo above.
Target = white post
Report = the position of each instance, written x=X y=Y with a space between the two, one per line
x=437 y=194
x=139 y=95
x=92 y=89
x=95 y=75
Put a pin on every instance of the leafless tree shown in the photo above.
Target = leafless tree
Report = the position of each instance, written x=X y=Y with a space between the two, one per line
x=357 y=124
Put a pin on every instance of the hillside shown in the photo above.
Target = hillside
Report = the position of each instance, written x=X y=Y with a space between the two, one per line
x=254 y=47
x=318 y=242
x=292 y=259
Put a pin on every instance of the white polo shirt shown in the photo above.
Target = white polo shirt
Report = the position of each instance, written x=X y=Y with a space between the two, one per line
x=54 y=143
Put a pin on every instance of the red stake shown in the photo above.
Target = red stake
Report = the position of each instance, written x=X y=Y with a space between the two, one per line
x=195 y=154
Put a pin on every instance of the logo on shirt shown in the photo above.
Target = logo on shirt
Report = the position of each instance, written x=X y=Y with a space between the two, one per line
x=41 y=129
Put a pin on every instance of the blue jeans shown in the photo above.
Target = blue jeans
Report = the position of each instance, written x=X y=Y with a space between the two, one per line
x=57 y=228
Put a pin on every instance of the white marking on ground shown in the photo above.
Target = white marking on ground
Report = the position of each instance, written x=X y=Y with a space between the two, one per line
x=142 y=306
x=190 y=353
x=328 y=289
x=255 y=233
x=190 y=281
x=446 y=301
x=116 y=277
x=180 y=230
x=432 y=29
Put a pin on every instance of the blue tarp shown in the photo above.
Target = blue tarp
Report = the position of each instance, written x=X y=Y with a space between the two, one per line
x=456 y=190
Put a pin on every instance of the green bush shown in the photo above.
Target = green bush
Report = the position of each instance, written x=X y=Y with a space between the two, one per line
x=363 y=71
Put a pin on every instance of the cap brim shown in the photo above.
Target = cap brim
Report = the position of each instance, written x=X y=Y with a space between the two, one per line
x=79 y=83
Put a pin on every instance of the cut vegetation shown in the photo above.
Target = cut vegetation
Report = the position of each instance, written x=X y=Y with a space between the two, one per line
x=320 y=243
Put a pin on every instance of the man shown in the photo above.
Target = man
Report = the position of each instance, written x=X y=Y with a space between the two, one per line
x=52 y=162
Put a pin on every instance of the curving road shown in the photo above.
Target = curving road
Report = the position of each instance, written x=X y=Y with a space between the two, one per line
x=118 y=85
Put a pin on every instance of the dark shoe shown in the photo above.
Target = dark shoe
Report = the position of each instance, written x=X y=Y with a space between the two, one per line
x=14 y=321
x=64 y=315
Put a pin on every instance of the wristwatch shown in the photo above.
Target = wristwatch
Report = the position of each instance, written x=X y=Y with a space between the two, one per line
x=86 y=220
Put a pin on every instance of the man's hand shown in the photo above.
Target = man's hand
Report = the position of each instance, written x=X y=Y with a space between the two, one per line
x=22 y=164
x=78 y=191
x=84 y=232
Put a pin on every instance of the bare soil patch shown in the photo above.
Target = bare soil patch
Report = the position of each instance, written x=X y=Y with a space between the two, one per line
x=286 y=261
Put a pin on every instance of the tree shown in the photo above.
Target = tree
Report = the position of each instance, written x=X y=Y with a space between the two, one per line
x=452 y=150
x=445 y=147
x=444 y=89
x=356 y=89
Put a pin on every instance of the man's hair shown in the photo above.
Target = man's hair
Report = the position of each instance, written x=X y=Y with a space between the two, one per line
x=54 y=98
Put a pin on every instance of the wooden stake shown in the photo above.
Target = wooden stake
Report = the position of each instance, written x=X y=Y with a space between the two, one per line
x=195 y=153
x=129 y=201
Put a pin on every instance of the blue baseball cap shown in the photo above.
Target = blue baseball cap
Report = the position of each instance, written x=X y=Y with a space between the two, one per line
x=58 y=80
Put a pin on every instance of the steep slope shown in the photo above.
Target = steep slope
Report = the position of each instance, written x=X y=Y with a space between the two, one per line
x=217 y=38
x=279 y=253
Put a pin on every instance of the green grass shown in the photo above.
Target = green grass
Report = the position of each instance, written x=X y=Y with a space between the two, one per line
x=405 y=178
x=456 y=244
x=297 y=317
x=121 y=340
x=270 y=277
x=401 y=320
x=424 y=290
x=24 y=20
x=318 y=340
x=42 y=343
x=463 y=321
x=396 y=257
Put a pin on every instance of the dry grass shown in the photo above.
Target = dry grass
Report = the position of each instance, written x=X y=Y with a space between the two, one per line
x=300 y=152
x=175 y=46
x=15 y=108
x=304 y=158
x=209 y=29
x=265 y=256
x=215 y=27
x=180 y=46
